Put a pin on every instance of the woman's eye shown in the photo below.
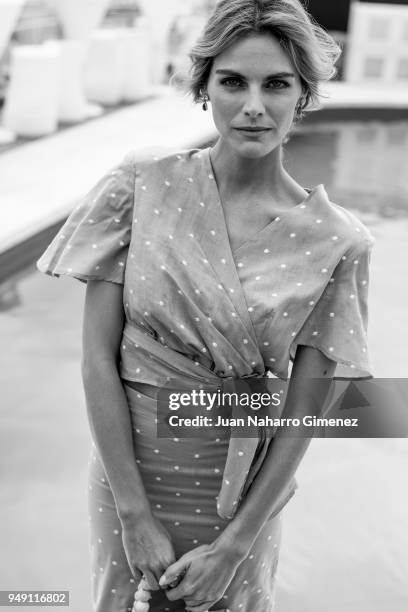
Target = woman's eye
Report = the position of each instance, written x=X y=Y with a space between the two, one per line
x=278 y=84
x=231 y=82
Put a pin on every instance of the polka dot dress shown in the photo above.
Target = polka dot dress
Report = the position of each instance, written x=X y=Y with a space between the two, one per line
x=197 y=309
x=182 y=477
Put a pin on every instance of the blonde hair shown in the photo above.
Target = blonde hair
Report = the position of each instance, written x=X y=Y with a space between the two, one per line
x=312 y=50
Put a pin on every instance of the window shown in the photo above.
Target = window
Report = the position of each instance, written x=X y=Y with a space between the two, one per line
x=402 y=71
x=379 y=28
x=405 y=31
x=373 y=67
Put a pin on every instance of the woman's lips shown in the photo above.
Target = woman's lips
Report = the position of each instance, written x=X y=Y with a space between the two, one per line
x=253 y=129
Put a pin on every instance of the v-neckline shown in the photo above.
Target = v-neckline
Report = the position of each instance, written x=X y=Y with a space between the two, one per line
x=282 y=216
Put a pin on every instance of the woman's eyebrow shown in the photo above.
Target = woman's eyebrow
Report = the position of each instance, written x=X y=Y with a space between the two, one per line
x=276 y=75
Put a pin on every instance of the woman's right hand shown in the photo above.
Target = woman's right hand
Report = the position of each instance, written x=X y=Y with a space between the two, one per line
x=148 y=548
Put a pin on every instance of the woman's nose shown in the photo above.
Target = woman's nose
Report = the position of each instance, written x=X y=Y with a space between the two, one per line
x=254 y=105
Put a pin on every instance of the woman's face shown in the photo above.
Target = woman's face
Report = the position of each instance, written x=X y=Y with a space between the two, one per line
x=254 y=89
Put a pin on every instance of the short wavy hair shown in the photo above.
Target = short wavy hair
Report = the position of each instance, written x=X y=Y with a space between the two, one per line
x=312 y=50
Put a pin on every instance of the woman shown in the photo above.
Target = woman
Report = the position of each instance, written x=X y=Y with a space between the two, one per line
x=206 y=267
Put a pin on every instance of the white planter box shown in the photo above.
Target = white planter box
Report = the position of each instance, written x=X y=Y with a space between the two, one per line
x=31 y=108
x=105 y=67
x=72 y=105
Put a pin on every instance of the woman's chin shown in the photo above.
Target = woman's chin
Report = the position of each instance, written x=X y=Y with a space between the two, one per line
x=255 y=149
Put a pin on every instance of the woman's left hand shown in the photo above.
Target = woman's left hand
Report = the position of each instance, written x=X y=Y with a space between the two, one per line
x=206 y=572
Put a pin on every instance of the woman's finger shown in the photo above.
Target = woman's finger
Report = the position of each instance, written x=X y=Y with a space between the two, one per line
x=173 y=572
x=153 y=584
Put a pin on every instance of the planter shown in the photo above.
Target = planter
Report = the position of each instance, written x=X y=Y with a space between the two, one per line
x=105 y=67
x=72 y=105
x=31 y=108
x=137 y=82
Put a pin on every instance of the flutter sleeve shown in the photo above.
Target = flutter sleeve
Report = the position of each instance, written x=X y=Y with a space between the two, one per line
x=93 y=242
x=337 y=325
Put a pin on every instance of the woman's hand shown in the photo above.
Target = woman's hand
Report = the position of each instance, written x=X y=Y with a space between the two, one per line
x=206 y=572
x=148 y=548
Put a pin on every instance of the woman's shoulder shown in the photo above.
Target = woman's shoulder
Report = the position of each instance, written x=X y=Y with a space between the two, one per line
x=169 y=161
x=346 y=223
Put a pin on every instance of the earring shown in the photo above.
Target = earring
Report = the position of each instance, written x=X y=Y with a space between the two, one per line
x=205 y=100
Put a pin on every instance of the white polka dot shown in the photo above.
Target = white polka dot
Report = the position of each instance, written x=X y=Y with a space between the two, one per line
x=332 y=314
x=318 y=220
x=308 y=252
x=311 y=303
x=324 y=270
x=293 y=235
x=331 y=349
x=266 y=251
x=335 y=237
x=285 y=314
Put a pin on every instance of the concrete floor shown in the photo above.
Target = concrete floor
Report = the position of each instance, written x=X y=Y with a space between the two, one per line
x=345 y=531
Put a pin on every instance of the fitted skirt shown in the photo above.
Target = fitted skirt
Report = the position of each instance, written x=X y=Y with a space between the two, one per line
x=182 y=477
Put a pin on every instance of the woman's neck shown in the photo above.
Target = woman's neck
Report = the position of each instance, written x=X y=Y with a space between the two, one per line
x=237 y=175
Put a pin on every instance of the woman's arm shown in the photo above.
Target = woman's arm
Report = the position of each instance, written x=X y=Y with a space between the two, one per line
x=108 y=412
x=305 y=396
x=147 y=544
